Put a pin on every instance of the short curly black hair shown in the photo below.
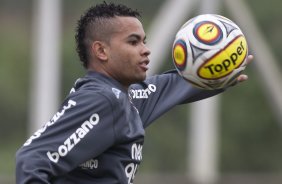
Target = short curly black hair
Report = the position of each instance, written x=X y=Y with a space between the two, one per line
x=91 y=24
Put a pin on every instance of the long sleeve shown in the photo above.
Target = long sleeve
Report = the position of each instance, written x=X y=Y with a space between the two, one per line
x=160 y=93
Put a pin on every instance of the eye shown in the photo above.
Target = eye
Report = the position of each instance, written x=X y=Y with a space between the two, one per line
x=133 y=42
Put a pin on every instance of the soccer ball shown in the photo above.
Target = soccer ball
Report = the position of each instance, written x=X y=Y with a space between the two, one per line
x=210 y=51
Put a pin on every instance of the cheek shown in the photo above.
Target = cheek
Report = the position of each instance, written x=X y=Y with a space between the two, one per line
x=124 y=57
x=120 y=53
x=127 y=58
x=120 y=63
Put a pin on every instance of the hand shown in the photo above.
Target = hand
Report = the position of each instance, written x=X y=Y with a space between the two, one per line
x=243 y=77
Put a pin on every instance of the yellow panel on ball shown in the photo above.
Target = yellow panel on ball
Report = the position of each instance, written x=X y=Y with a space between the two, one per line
x=226 y=60
x=180 y=54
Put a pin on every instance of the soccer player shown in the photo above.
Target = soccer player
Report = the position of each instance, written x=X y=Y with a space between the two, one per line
x=98 y=132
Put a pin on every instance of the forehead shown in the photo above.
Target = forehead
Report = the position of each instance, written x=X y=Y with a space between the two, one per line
x=126 y=26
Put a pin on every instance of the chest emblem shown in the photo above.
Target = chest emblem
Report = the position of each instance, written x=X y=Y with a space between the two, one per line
x=116 y=92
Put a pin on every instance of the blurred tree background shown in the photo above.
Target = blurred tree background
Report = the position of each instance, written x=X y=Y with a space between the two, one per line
x=250 y=136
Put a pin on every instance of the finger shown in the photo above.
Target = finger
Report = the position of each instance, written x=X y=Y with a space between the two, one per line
x=249 y=59
x=242 y=78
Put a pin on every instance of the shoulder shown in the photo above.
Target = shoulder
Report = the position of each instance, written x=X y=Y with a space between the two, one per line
x=92 y=95
x=103 y=95
x=96 y=84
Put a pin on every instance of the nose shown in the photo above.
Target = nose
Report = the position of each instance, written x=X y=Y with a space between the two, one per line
x=146 y=51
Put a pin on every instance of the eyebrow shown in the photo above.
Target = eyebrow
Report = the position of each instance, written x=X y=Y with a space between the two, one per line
x=137 y=36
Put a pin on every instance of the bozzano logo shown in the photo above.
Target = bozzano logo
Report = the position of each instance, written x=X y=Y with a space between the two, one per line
x=74 y=138
x=226 y=60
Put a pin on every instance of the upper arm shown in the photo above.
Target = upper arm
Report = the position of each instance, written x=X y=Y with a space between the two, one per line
x=64 y=142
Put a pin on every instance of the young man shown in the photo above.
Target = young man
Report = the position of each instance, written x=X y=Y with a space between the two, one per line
x=98 y=133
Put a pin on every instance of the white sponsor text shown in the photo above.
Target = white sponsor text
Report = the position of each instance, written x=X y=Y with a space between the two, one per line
x=74 y=138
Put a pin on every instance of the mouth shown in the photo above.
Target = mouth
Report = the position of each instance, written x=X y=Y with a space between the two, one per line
x=144 y=64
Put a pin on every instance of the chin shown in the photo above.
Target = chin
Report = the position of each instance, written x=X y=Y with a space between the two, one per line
x=140 y=79
x=143 y=78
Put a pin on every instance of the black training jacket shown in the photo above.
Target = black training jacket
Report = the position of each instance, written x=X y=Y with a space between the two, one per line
x=97 y=135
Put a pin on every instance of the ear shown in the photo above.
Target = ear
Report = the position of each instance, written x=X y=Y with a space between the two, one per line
x=99 y=50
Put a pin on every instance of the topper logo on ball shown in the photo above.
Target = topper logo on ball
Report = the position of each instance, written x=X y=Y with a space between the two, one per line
x=226 y=60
